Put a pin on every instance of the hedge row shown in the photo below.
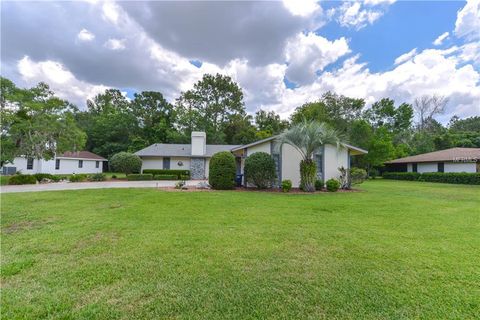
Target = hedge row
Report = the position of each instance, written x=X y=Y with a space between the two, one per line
x=139 y=176
x=181 y=174
x=22 y=179
x=443 y=177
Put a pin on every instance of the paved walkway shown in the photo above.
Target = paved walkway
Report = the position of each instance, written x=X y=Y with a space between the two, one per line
x=92 y=185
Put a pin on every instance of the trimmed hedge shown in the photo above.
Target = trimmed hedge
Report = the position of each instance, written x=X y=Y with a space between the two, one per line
x=178 y=173
x=78 y=177
x=22 y=179
x=222 y=171
x=139 y=177
x=443 y=177
x=260 y=170
x=165 y=177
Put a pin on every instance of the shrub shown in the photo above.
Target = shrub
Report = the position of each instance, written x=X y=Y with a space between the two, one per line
x=114 y=176
x=318 y=184
x=165 y=177
x=22 y=179
x=222 y=170
x=178 y=173
x=357 y=175
x=126 y=163
x=78 y=177
x=260 y=170
x=97 y=177
x=373 y=173
x=139 y=177
x=286 y=185
x=56 y=178
x=184 y=177
x=41 y=176
x=444 y=177
x=179 y=184
x=411 y=176
x=332 y=185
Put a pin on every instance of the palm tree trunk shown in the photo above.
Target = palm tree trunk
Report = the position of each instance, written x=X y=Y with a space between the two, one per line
x=308 y=175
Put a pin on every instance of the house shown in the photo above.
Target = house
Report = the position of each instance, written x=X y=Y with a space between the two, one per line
x=66 y=163
x=196 y=156
x=449 y=160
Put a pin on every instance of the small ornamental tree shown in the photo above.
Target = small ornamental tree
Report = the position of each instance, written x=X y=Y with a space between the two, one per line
x=222 y=170
x=260 y=170
x=126 y=163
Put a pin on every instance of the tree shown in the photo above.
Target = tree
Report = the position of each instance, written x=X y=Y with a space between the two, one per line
x=307 y=137
x=269 y=122
x=384 y=113
x=36 y=123
x=112 y=100
x=239 y=130
x=380 y=149
x=209 y=106
x=471 y=124
x=427 y=106
x=260 y=170
x=222 y=170
x=125 y=162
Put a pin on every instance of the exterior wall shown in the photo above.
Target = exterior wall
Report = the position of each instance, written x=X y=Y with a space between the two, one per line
x=427 y=167
x=264 y=147
x=152 y=163
x=460 y=167
x=207 y=167
x=174 y=163
x=199 y=144
x=335 y=158
x=409 y=167
x=67 y=166
x=291 y=165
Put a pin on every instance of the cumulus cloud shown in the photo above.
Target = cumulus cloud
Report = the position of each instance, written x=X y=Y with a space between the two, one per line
x=302 y=7
x=115 y=44
x=467 y=24
x=85 y=35
x=351 y=14
x=441 y=38
x=406 y=56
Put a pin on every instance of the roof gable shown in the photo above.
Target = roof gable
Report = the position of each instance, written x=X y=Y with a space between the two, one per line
x=448 y=155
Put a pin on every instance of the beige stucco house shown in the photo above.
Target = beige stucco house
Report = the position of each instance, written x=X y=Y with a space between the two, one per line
x=196 y=157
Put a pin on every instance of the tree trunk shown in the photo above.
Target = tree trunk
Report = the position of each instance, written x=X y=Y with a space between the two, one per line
x=308 y=175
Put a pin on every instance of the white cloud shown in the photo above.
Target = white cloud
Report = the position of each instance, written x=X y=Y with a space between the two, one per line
x=406 y=56
x=110 y=12
x=302 y=7
x=61 y=80
x=352 y=15
x=308 y=53
x=85 y=35
x=379 y=2
x=468 y=21
x=115 y=44
x=441 y=38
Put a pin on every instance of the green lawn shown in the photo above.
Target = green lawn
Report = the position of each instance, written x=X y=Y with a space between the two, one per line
x=397 y=250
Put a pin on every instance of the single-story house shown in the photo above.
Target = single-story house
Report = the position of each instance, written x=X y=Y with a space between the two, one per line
x=449 y=160
x=66 y=163
x=196 y=156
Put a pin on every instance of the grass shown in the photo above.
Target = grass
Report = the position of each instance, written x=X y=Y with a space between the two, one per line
x=397 y=250
x=4 y=180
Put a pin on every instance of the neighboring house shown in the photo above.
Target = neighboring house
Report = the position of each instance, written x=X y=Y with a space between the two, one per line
x=449 y=160
x=196 y=156
x=66 y=163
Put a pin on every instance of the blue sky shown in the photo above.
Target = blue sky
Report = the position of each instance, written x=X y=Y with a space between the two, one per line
x=282 y=54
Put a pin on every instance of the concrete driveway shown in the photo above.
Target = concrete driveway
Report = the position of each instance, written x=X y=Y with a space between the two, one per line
x=92 y=185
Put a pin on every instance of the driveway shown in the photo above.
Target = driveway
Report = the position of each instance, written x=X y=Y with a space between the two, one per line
x=92 y=185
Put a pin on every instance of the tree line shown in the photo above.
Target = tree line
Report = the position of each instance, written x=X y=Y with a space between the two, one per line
x=38 y=124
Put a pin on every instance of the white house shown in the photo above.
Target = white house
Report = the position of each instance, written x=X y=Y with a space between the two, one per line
x=449 y=160
x=196 y=156
x=66 y=163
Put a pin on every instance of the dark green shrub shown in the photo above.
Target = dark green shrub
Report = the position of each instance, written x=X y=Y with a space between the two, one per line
x=22 y=179
x=443 y=177
x=318 y=184
x=373 y=173
x=126 y=163
x=114 y=176
x=165 y=177
x=41 y=176
x=78 y=177
x=56 y=178
x=139 y=177
x=184 y=177
x=332 y=185
x=411 y=176
x=260 y=170
x=286 y=185
x=178 y=173
x=357 y=175
x=98 y=177
x=222 y=171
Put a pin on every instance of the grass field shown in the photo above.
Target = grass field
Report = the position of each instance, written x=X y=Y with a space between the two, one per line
x=396 y=250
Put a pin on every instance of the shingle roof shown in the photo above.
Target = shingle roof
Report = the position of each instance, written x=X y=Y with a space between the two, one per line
x=81 y=155
x=180 y=150
x=453 y=154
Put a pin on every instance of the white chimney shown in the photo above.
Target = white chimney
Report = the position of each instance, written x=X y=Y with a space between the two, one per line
x=199 y=143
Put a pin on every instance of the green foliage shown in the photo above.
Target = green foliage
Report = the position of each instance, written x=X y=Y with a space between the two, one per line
x=471 y=124
x=286 y=185
x=260 y=170
x=443 y=177
x=332 y=185
x=165 y=177
x=222 y=171
x=308 y=173
x=41 y=176
x=319 y=184
x=139 y=176
x=357 y=175
x=80 y=177
x=184 y=177
x=22 y=179
x=97 y=177
x=269 y=123
x=126 y=163
x=178 y=173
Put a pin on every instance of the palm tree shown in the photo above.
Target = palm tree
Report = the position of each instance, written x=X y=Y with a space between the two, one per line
x=307 y=137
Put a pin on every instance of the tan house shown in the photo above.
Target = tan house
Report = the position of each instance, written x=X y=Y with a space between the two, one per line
x=449 y=160
x=196 y=157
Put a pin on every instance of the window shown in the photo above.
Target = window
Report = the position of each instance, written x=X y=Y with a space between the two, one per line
x=57 y=164
x=166 y=163
x=441 y=167
x=97 y=164
x=319 y=162
x=30 y=164
x=414 y=167
x=80 y=163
